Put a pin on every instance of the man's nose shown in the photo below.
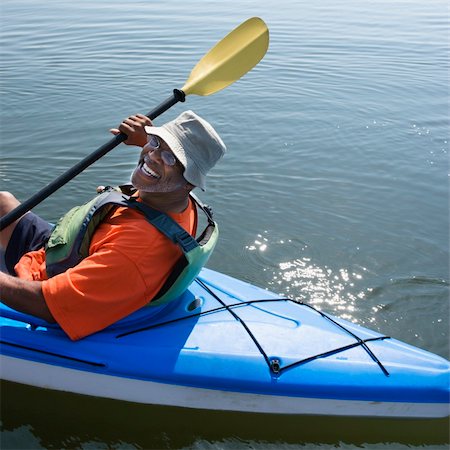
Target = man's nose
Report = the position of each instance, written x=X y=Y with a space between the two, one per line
x=154 y=154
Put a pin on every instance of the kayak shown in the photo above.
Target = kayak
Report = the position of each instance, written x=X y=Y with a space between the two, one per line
x=228 y=345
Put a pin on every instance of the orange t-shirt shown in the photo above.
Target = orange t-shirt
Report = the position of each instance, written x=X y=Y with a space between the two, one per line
x=129 y=261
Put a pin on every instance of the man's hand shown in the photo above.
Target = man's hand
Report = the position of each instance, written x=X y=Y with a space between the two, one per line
x=24 y=296
x=133 y=127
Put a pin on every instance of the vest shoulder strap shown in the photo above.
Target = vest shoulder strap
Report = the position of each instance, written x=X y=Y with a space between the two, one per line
x=122 y=195
x=165 y=224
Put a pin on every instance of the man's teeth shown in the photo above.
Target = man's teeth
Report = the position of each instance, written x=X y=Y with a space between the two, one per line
x=149 y=171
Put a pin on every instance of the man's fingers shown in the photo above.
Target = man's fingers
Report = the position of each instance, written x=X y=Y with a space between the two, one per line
x=137 y=120
x=144 y=119
x=126 y=128
x=133 y=127
x=132 y=121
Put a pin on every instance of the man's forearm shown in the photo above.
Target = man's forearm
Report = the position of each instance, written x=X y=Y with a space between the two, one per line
x=24 y=296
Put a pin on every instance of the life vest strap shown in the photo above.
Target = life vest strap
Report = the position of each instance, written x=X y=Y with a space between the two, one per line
x=166 y=225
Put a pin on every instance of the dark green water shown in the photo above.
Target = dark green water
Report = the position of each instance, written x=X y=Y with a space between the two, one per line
x=334 y=189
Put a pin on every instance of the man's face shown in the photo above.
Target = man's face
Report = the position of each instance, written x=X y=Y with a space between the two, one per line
x=158 y=170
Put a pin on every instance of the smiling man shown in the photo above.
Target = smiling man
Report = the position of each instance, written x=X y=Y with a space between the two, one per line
x=129 y=260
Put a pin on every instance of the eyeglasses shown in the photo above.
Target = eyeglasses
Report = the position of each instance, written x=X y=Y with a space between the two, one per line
x=168 y=157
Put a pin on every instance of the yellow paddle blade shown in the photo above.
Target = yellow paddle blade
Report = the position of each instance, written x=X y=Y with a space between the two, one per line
x=230 y=59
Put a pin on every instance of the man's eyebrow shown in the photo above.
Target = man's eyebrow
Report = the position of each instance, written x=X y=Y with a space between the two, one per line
x=163 y=145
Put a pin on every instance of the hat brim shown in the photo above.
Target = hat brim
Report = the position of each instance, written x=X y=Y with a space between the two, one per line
x=192 y=173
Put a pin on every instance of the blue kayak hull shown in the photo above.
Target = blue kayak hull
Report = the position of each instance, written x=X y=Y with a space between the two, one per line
x=228 y=345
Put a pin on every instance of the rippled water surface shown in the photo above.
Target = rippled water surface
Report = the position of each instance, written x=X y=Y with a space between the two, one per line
x=334 y=190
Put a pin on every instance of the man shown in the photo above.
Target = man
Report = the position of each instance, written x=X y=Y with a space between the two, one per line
x=129 y=259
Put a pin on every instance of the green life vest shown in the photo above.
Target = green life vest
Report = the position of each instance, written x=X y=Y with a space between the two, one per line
x=70 y=239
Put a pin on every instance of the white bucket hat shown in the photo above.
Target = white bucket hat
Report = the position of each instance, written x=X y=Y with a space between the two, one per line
x=194 y=142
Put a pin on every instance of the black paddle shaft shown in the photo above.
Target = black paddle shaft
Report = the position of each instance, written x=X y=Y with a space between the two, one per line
x=177 y=96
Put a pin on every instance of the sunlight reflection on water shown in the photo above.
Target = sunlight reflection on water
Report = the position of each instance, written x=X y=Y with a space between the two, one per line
x=303 y=279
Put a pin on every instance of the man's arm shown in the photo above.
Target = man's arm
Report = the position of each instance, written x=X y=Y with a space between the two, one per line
x=24 y=296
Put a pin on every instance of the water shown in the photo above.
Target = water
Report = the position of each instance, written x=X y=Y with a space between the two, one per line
x=334 y=189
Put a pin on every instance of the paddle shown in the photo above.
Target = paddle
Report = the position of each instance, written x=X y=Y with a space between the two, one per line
x=225 y=63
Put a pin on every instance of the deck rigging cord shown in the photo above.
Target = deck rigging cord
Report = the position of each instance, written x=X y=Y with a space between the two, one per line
x=273 y=364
